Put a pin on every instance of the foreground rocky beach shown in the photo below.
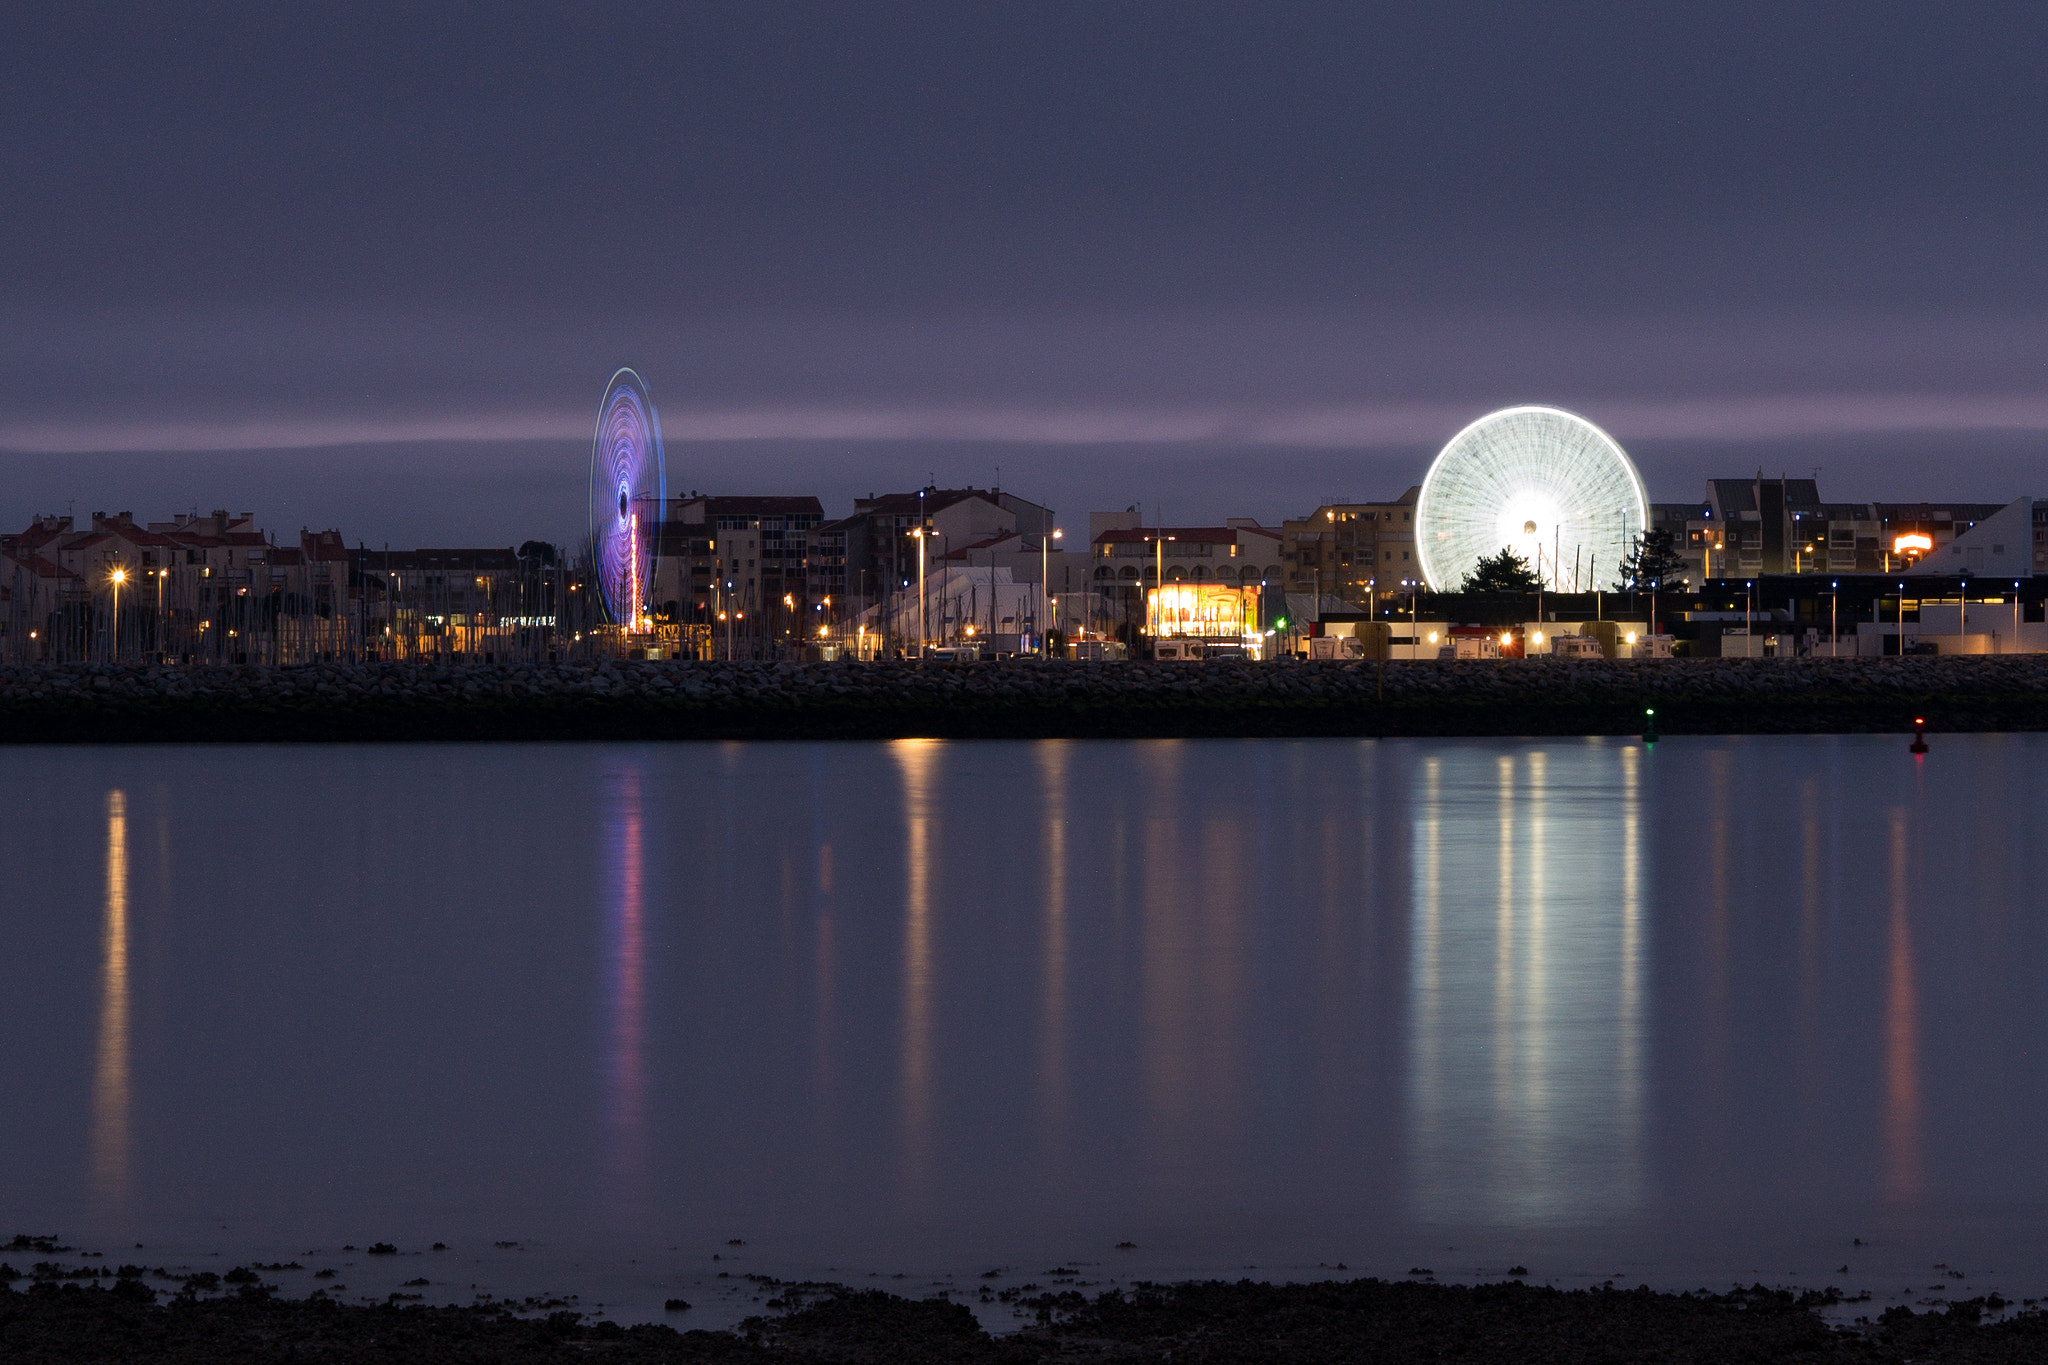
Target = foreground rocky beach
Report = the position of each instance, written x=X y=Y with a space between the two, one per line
x=1353 y=1321
x=1013 y=699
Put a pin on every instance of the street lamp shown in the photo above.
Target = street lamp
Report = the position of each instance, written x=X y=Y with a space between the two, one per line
x=119 y=576
x=1044 y=588
x=1158 y=573
x=923 y=619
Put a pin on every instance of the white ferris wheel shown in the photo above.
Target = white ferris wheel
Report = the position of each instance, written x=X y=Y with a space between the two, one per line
x=1542 y=482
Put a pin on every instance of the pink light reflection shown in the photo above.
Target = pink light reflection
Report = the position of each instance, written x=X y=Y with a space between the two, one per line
x=625 y=993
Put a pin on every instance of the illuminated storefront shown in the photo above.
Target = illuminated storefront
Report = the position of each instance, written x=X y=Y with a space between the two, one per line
x=1207 y=610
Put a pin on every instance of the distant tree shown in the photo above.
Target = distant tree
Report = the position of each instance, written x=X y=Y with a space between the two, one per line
x=538 y=549
x=1651 y=562
x=1504 y=572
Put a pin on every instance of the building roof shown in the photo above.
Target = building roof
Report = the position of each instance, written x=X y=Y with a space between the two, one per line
x=1337 y=504
x=230 y=540
x=995 y=542
x=324 y=545
x=933 y=500
x=1732 y=495
x=1937 y=511
x=37 y=565
x=40 y=532
x=752 y=506
x=1223 y=535
x=1739 y=495
x=1801 y=495
x=439 y=561
x=124 y=526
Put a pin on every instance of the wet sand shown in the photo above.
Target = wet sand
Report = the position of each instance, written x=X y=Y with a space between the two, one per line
x=1356 y=1320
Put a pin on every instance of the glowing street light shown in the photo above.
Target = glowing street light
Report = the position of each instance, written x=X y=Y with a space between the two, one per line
x=120 y=576
x=1044 y=586
x=923 y=619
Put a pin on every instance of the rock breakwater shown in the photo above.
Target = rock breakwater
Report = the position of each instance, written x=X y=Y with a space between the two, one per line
x=1011 y=699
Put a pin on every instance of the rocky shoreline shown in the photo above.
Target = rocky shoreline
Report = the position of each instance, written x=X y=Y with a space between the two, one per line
x=1013 y=699
x=1363 y=1320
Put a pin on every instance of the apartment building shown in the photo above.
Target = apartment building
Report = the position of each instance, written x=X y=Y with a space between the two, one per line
x=748 y=557
x=871 y=556
x=1350 y=550
x=195 y=586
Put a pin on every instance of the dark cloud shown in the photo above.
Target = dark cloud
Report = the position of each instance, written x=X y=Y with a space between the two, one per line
x=373 y=264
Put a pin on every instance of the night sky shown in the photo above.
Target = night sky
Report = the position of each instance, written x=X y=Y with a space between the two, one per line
x=370 y=270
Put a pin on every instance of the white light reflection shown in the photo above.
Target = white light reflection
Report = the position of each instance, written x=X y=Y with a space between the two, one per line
x=110 y=1093
x=917 y=762
x=1526 y=1054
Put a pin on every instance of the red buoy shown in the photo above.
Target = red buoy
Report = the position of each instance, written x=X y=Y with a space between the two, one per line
x=1919 y=736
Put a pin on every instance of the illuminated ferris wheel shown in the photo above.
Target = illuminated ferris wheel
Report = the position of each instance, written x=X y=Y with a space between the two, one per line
x=628 y=490
x=1542 y=482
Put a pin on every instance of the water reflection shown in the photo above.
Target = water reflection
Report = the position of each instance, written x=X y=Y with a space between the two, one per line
x=961 y=1006
x=1052 y=1026
x=1526 y=1061
x=1197 y=897
x=1170 y=1025
x=1901 y=1034
x=824 y=961
x=1630 y=1063
x=1809 y=942
x=917 y=764
x=626 y=973
x=110 y=1094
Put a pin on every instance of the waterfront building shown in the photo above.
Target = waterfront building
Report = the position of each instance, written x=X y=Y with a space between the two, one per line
x=1131 y=560
x=452 y=601
x=1996 y=547
x=1350 y=550
x=1747 y=528
x=1035 y=560
x=960 y=605
x=212 y=587
x=877 y=550
x=740 y=565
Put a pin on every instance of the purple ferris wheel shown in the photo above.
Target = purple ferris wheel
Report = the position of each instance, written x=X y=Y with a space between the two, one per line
x=628 y=492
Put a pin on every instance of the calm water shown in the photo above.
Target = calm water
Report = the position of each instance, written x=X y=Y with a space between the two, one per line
x=1688 y=1015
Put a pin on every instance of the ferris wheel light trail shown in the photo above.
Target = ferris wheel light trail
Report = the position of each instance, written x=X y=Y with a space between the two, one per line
x=628 y=493
x=1544 y=483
